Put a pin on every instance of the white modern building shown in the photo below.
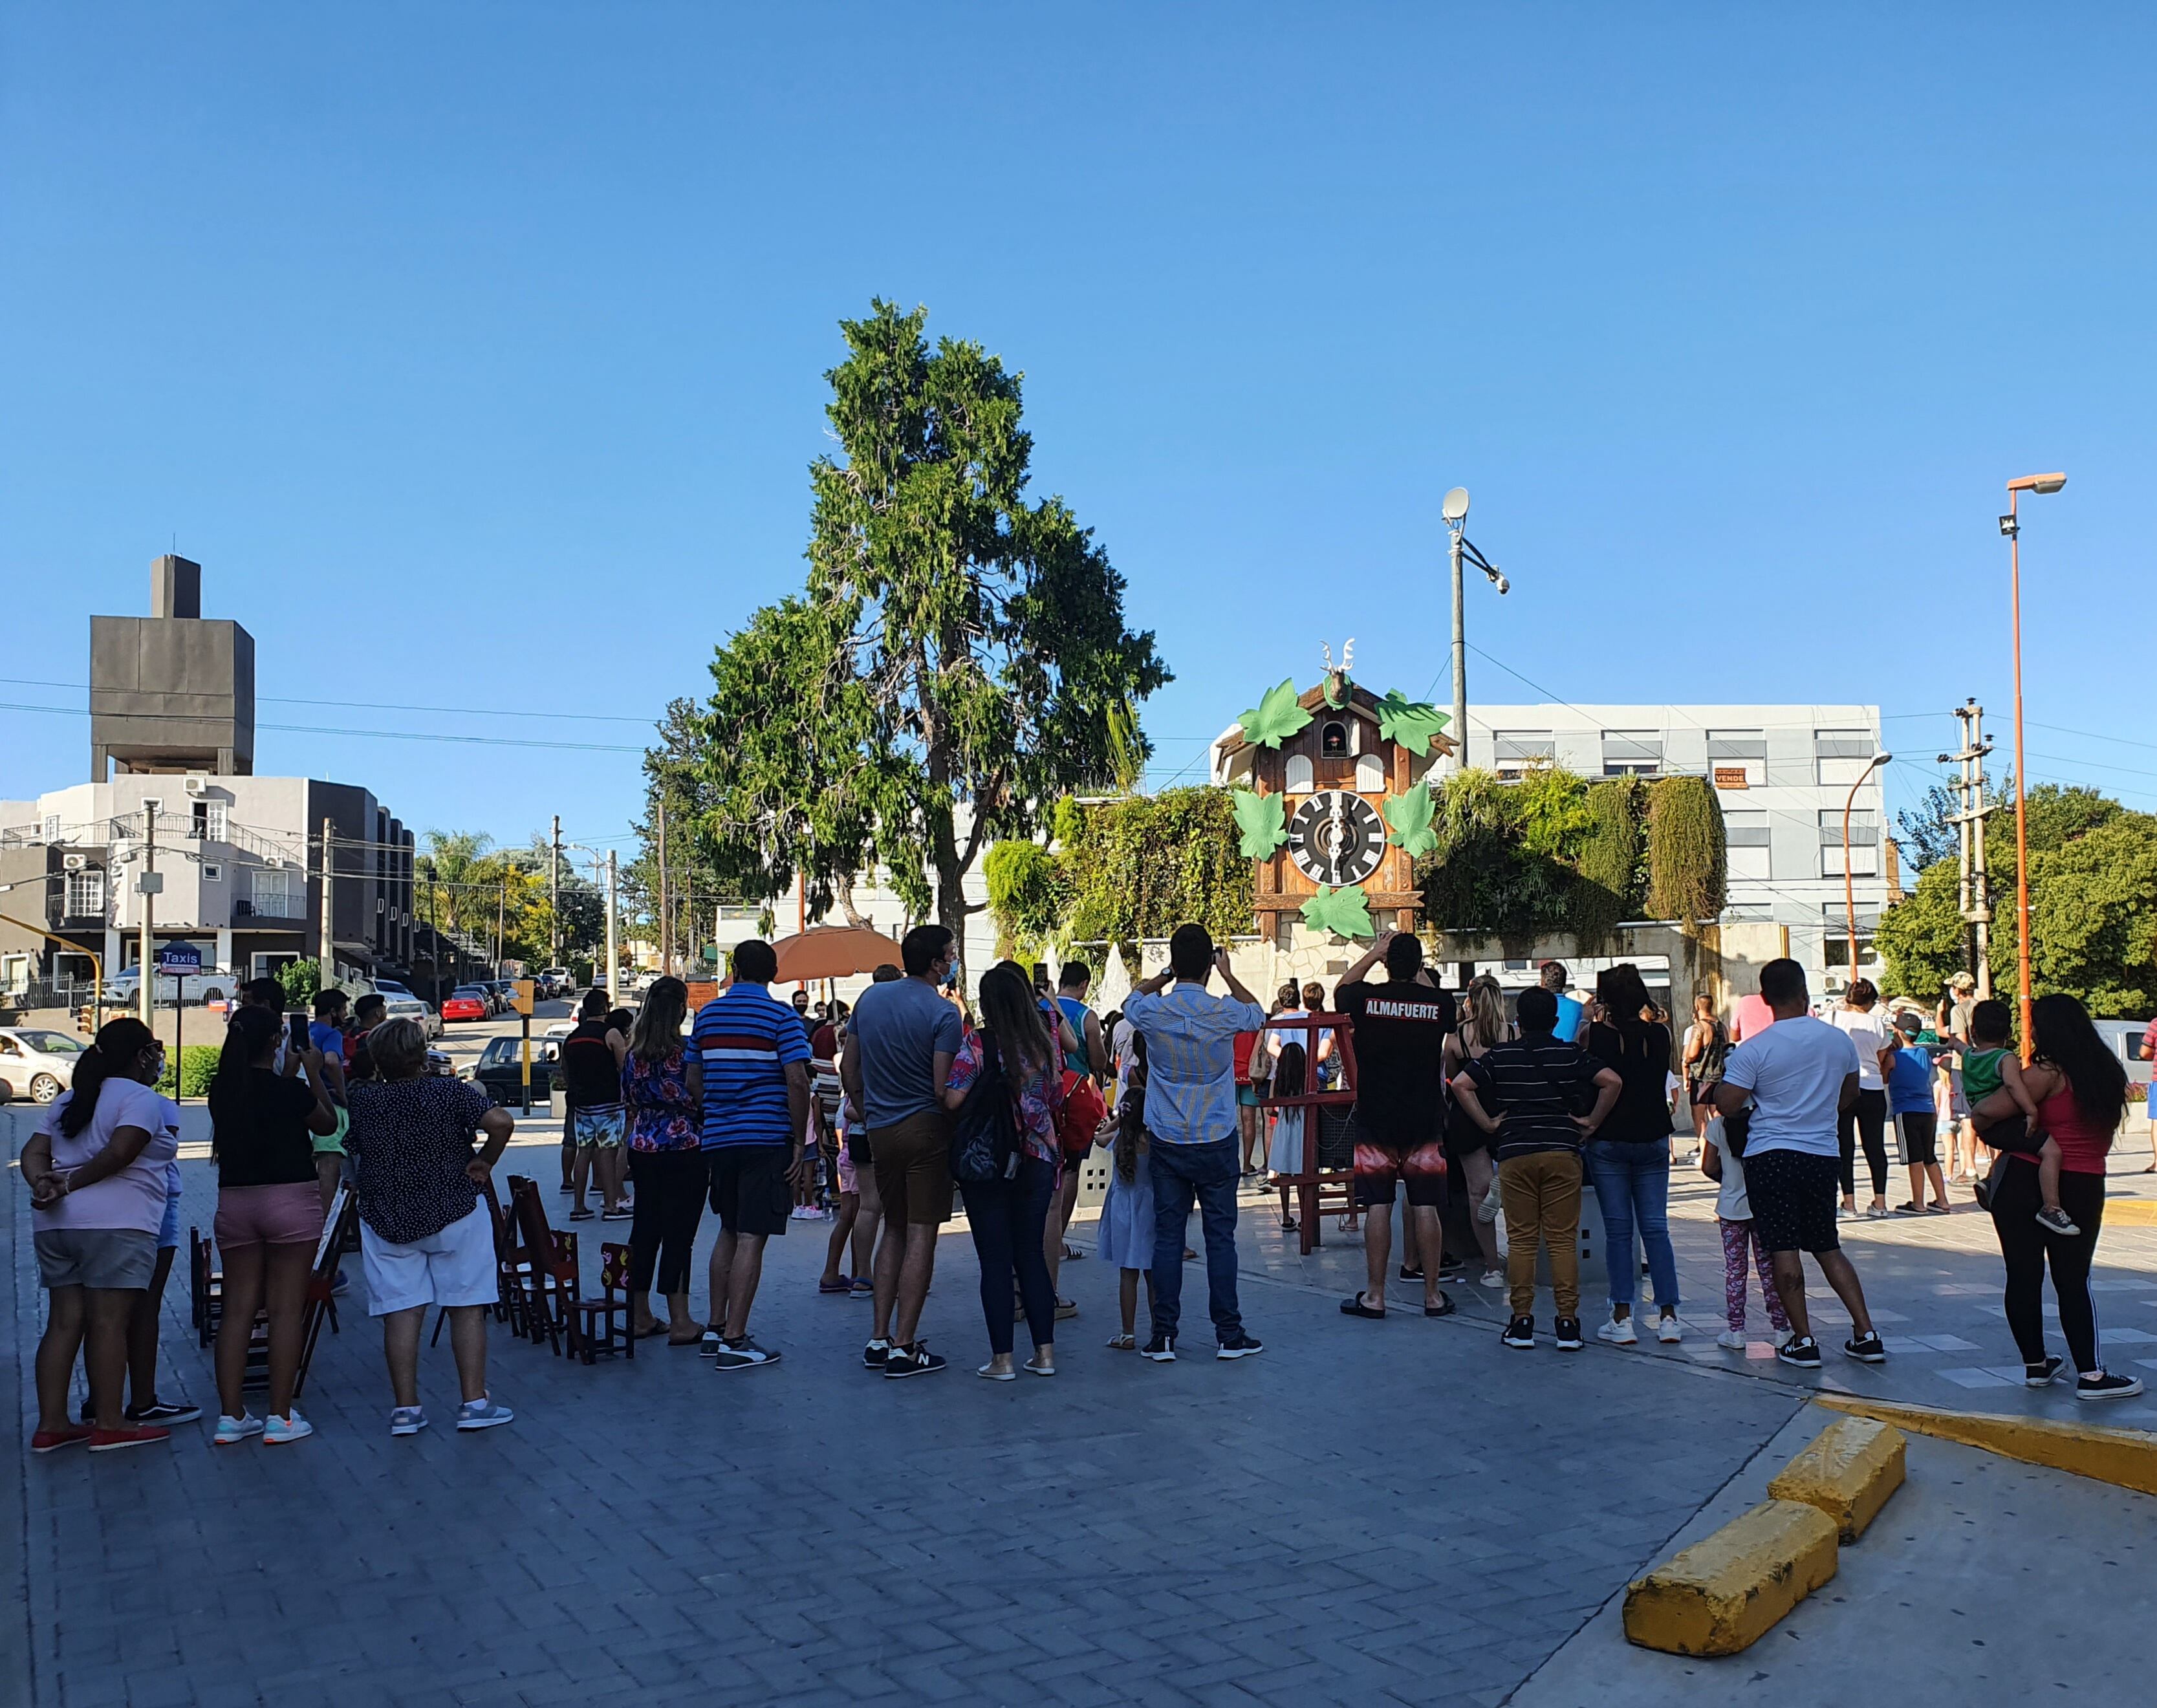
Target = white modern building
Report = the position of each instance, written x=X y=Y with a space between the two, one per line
x=1784 y=775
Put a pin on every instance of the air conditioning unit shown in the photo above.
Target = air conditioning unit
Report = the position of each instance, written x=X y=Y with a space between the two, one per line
x=198 y=783
x=74 y=862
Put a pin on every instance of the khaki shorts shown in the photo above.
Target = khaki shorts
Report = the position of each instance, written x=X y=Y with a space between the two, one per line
x=116 y=1258
x=913 y=1162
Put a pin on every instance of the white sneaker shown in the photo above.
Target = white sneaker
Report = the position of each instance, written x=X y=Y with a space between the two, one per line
x=291 y=1427
x=1618 y=1331
x=1494 y=1277
x=1668 y=1331
x=1731 y=1340
x=232 y=1431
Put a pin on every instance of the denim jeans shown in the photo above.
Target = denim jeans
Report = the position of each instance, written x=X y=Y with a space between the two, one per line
x=1008 y=1218
x=1632 y=1185
x=1208 y=1172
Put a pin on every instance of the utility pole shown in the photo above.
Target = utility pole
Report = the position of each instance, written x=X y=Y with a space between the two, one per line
x=554 y=896
x=666 y=919
x=613 y=964
x=501 y=909
x=147 y=882
x=326 y=951
x=1974 y=893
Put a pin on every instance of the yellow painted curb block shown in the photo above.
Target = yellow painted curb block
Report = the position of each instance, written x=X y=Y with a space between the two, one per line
x=1848 y=1471
x=1727 y=1591
x=2126 y=1458
x=2132 y=1212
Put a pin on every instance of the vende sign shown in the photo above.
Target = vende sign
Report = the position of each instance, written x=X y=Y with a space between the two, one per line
x=1731 y=777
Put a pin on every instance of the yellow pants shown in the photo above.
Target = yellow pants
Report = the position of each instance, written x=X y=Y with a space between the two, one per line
x=1541 y=1193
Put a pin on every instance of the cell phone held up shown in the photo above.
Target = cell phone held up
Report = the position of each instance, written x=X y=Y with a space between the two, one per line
x=295 y=1027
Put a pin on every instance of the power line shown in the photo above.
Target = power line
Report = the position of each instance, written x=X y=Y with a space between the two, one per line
x=382 y=705
x=587 y=747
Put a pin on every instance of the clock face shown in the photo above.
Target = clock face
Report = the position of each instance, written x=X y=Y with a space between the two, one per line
x=1337 y=837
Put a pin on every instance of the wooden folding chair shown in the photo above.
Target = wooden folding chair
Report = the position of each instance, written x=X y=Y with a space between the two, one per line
x=509 y=1271
x=603 y=1323
x=205 y=1287
x=547 y=1266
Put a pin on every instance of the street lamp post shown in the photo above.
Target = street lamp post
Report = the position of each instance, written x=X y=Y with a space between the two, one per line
x=2012 y=528
x=1849 y=890
x=1461 y=550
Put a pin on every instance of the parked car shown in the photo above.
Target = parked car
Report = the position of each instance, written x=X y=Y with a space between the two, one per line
x=500 y=1070
x=467 y=1002
x=559 y=982
x=37 y=1064
x=123 y=990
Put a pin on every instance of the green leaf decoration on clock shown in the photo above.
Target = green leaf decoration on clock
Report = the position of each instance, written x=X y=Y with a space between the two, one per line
x=1411 y=723
x=1276 y=716
x=1410 y=816
x=1343 y=912
x=1260 y=820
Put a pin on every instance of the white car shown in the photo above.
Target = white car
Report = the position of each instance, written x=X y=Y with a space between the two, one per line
x=400 y=1004
x=123 y=990
x=37 y=1064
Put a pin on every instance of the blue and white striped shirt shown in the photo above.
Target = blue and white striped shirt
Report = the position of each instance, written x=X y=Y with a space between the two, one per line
x=746 y=1041
x=1191 y=1060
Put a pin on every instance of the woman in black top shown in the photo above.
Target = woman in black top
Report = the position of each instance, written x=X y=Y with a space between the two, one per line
x=269 y=1212
x=1630 y=1156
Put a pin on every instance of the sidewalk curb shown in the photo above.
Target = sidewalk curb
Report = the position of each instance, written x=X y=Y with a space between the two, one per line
x=2126 y=1458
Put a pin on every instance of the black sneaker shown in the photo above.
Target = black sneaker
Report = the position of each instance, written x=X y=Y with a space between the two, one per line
x=2105 y=1386
x=2040 y=1374
x=1800 y=1349
x=1865 y=1348
x=743 y=1353
x=1243 y=1346
x=1565 y=1332
x=164 y=1412
x=1520 y=1332
x=916 y=1360
x=875 y=1354
x=1161 y=1349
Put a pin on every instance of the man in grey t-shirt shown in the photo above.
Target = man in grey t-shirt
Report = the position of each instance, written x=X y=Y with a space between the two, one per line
x=901 y=1040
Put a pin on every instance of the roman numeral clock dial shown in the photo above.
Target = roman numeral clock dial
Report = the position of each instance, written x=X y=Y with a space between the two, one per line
x=1337 y=837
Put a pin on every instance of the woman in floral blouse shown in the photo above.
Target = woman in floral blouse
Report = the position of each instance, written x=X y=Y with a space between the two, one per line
x=1008 y=1217
x=662 y=1091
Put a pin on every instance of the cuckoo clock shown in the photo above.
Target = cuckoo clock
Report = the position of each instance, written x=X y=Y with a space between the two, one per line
x=1330 y=798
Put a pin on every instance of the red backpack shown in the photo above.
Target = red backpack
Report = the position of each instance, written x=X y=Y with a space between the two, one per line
x=1083 y=1110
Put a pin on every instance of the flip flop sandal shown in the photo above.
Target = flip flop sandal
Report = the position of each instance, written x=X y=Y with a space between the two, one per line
x=1124 y=1343
x=844 y=1284
x=646 y=1334
x=1356 y=1307
x=1445 y=1307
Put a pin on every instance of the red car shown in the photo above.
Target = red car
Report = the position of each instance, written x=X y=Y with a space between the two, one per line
x=465 y=1004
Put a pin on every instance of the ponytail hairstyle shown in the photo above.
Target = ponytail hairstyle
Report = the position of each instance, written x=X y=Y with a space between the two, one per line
x=113 y=1052
x=1130 y=1114
x=1623 y=994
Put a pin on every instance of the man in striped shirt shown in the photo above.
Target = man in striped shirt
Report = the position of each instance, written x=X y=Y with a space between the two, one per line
x=1191 y=1120
x=755 y=1058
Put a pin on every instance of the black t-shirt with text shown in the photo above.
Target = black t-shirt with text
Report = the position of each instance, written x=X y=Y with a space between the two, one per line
x=259 y=1130
x=1399 y=1041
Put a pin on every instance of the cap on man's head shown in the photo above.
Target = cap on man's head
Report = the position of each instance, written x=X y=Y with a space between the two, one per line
x=1962 y=981
x=1909 y=1024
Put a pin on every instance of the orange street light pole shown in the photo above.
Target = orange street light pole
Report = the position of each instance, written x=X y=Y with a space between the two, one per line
x=1849 y=894
x=2009 y=526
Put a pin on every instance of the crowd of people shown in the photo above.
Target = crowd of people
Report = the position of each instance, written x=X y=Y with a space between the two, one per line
x=913 y=1099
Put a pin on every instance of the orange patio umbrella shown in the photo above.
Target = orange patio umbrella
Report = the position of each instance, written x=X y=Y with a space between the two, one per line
x=832 y=951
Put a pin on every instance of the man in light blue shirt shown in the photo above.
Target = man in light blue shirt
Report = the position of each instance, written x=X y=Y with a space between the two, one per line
x=1191 y=1120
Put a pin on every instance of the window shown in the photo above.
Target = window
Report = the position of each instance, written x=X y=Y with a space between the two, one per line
x=277 y=892
x=1836 y=936
x=1371 y=774
x=1745 y=835
x=213 y=872
x=1864 y=845
x=1839 y=756
x=1512 y=751
x=85 y=893
x=1333 y=740
x=52 y=829
x=1737 y=758
x=1296 y=777
x=217 y=821
x=1632 y=753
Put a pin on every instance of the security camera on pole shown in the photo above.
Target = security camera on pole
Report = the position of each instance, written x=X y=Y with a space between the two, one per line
x=1454 y=511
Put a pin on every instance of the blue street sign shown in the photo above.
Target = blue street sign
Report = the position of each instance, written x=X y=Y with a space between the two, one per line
x=179 y=958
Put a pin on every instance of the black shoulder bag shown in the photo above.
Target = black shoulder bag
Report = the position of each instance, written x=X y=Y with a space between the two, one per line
x=984 y=1142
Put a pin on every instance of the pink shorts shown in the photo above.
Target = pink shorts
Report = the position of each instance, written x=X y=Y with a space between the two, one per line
x=848 y=1180
x=286 y=1215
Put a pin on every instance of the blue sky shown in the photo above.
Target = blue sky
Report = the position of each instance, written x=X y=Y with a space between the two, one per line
x=476 y=350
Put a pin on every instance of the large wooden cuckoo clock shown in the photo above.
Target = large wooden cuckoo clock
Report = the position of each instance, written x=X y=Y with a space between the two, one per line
x=1331 y=803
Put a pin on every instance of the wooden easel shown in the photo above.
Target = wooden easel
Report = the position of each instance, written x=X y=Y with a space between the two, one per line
x=339 y=1226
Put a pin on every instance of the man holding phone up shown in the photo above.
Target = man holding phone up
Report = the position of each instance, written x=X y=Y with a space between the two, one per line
x=1191 y=1118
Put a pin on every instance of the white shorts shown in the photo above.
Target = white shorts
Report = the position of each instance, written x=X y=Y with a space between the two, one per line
x=454 y=1267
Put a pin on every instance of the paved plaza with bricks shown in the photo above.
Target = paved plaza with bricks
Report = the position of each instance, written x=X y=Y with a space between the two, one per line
x=1371 y=1512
